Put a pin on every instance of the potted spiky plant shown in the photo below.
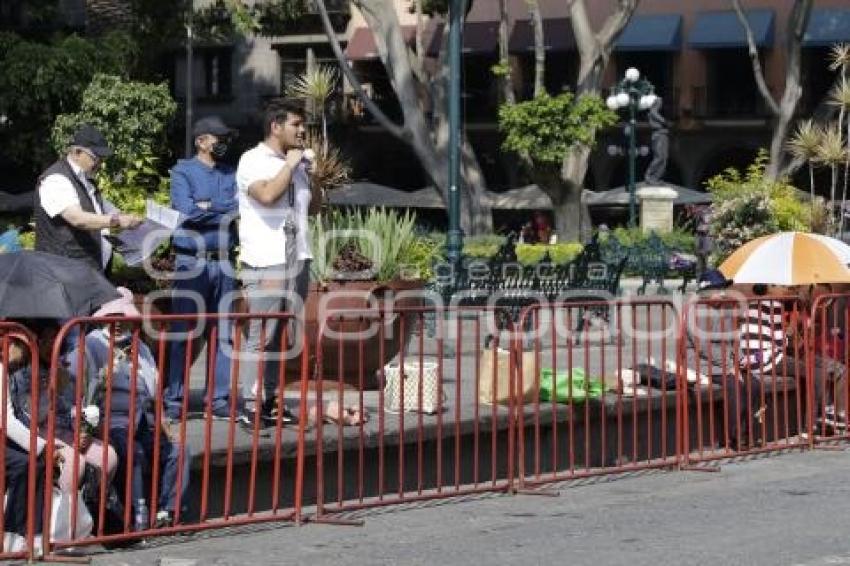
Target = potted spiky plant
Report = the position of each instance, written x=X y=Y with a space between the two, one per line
x=364 y=262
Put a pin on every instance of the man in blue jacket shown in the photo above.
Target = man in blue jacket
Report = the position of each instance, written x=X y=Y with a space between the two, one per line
x=204 y=190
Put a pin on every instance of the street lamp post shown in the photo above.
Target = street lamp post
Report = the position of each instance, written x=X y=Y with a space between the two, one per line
x=636 y=94
x=190 y=99
x=454 y=236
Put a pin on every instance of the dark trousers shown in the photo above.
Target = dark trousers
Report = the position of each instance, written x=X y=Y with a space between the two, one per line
x=143 y=453
x=17 y=468
x=212 y=284
x=743 y=399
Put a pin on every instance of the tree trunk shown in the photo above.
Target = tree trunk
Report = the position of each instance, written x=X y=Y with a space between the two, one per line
x=566 y=202
x=480 y=213
x=539 y=48
x=783 y=112
x=594 y=52
x=507 y=79
x=426 y=139
x=420 y=31
x=781 y=126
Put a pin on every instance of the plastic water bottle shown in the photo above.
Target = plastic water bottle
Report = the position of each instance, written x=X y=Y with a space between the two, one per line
x=142 y=515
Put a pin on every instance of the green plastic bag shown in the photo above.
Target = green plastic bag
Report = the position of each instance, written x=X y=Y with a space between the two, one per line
x=557 y=386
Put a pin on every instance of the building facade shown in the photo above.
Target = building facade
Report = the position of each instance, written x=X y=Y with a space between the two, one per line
x=694 y=53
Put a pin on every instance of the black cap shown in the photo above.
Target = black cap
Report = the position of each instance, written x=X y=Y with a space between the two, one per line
x=89 y=137
x=713 y=279
x=211 y=125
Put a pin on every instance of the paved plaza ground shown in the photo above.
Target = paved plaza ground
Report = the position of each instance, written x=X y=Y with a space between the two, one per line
x=778 y=510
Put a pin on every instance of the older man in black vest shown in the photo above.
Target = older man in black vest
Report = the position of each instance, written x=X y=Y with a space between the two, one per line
x=70 y=219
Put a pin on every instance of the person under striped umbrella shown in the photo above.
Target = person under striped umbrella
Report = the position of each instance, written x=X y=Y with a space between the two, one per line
x=781 y=265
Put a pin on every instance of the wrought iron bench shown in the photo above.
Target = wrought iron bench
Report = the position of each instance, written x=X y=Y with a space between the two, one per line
x=510 y=286
x=651 y=260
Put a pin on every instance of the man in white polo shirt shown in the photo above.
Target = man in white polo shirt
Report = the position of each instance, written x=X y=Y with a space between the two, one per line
x=275 y=198
x=70 y=219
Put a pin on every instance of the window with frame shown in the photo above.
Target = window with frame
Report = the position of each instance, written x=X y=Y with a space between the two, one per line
x=218 y=77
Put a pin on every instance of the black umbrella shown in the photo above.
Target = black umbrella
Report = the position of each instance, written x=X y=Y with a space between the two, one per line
x=40 y=285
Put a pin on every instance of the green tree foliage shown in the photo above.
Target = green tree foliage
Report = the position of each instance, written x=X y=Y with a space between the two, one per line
x=161 y=26
x=747 y=205
x=41 y=81
x=545 y=129
x=31 y=18
x=134 y=117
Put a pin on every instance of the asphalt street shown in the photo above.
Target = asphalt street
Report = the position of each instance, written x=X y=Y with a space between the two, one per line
x=782 y=509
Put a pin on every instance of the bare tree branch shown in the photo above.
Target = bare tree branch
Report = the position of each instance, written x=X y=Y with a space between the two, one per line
x=615 y=23
x=420 y=29
x=393 y=128
x=758 y=73
x=595 y=48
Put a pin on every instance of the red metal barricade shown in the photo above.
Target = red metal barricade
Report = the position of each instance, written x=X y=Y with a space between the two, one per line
x=742 y=368
x=20 y=472
x=222 y=464
x=428 y=435
x=828 y=360
x=588 y=401
x=405 y=403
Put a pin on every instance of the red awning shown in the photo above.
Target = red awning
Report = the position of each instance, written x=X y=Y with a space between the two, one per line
x=362 y=47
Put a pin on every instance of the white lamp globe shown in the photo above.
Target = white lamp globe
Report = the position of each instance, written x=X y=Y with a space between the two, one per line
x=632 y=74
x=650 y=99
x=611 y=102
x=622 y=99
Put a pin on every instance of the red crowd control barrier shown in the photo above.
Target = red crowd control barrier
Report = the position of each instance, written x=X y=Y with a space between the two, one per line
x=588 y=399
x=147 y=468
x=20 y=471
x=395 y=404
x=430 y=430
x=750 y=357
x=827 y=366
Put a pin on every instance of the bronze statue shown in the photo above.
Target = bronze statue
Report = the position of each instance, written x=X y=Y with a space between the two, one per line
x=660 y=144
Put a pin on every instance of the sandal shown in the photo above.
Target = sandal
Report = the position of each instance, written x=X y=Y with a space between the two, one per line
x=334 y=414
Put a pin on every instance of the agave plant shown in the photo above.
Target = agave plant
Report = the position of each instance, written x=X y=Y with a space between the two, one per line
x=839 y=57
x=331 y=169
x=840 y=96
x=832 y=152
x=388 y=239
x=316 y=86
x=804 y=146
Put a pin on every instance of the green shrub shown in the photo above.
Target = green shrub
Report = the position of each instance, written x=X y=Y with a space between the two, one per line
x=484 y=246
x=134 y=118
x=748 y=205
x=677 y=238
x=546 y=128
x=529 y=254
x=41 y=80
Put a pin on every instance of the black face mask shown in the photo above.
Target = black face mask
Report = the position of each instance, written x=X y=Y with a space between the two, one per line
x=219 y=149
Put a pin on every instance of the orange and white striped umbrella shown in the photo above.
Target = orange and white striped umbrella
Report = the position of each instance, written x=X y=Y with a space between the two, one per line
x=789 y=258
